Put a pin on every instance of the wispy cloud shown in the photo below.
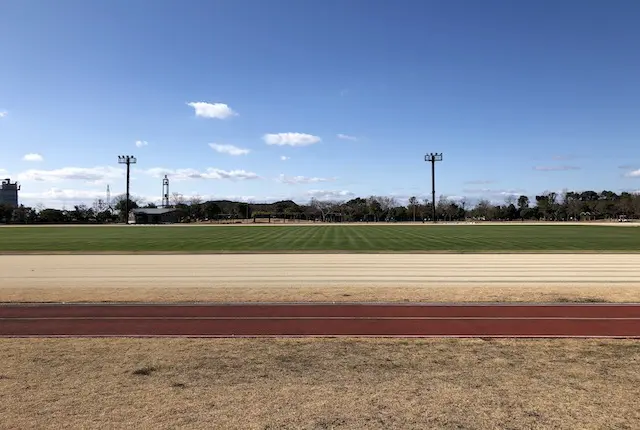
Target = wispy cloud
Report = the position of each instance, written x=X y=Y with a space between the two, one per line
x=293 y=180
x=3 y=113
x=209 y=173
x=141 y=143
x=479 y=182
x=228 y=149
x=565 y=157
x=33 y=157
x=555 y=168
x=494 y=192
x=87 y=174
x=330 y=194
x=63 y=194
x=290 y=139
x=626 y=166
x=284 y=158
x=634 y=174
x=347 y=137
x=212 y=110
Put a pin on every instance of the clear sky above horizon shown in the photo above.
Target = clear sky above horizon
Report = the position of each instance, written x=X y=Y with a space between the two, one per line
x=265 y=100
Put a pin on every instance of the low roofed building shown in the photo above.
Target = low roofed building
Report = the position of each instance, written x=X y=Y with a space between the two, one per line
x=154 y=215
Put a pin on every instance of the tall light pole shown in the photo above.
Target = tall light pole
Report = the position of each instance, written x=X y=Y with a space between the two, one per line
x=432 y=158
x=128 y=160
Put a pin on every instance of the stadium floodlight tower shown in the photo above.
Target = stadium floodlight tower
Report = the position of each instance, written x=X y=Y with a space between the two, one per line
x=432 y=158
x=128 y=160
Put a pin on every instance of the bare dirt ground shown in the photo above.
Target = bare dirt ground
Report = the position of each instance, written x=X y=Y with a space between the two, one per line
x=330 y=277
x=313 y=384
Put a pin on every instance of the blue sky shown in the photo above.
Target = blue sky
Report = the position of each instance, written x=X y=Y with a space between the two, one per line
x=521 y=97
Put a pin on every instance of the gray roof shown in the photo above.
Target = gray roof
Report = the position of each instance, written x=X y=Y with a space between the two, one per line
x=153 y=211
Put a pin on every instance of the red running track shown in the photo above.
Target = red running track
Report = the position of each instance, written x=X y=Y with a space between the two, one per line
x=320 y=319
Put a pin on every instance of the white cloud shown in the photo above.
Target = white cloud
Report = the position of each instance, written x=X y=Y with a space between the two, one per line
x=32 y=157
x=330 y=194
x=479 y=182
x=565 y=157
x=347 y=137
x=285 y=158
x=492 y=192
x=141 y=143
x=634 y=174
x=291 y=139
x=209 y=173
x=59 y=194
x=3 y=113
x=228 y=149
x=58 y=198
x=292 y=180
x=212 y=110
x=555 y=168
x=88 y=174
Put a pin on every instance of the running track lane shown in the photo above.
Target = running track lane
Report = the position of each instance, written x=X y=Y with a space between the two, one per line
x=320 y=319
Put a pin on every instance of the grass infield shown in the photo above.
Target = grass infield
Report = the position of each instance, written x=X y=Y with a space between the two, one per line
x=340 y=238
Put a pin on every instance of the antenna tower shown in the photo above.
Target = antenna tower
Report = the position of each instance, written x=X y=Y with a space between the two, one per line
x=108 y=198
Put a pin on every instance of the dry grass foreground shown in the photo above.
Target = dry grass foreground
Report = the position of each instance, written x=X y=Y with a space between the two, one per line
x=318 y=384
x=331 y=277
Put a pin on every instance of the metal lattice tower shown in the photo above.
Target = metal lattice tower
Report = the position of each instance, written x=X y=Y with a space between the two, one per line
x=108 y=198
x=165 y=192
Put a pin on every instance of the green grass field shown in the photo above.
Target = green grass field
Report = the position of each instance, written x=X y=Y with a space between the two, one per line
x=378 y=238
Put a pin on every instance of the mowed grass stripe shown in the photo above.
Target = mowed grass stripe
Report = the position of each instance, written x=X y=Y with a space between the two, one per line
x=374 y=238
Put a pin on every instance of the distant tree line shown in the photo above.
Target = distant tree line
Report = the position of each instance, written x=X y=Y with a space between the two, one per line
x=569 y=205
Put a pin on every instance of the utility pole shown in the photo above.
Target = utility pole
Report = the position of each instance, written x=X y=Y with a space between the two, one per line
x=432 y=158
x=128 y=160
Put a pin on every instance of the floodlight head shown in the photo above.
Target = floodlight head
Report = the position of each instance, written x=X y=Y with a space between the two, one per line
x=433 y=157
x=126 y=159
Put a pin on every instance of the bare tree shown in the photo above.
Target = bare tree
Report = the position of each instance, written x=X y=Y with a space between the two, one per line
x=387 y=203
x=99 y=205
x=413 y=205
x=375 y=207
x=321 y=206
x=463 y=203
x=177 y=199
x=484 y=209
x=442 y=207
x=510 y=200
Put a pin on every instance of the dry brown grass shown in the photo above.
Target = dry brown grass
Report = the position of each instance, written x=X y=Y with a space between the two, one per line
x=464 y=293
x=318 y=384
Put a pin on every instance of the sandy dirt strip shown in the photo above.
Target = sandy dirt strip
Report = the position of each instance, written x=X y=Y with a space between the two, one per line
x=437 y=277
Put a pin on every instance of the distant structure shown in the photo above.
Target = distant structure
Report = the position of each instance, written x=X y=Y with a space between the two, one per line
x=9 y=193
x=109 y=198
x=153 y=216
x=165 y=192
